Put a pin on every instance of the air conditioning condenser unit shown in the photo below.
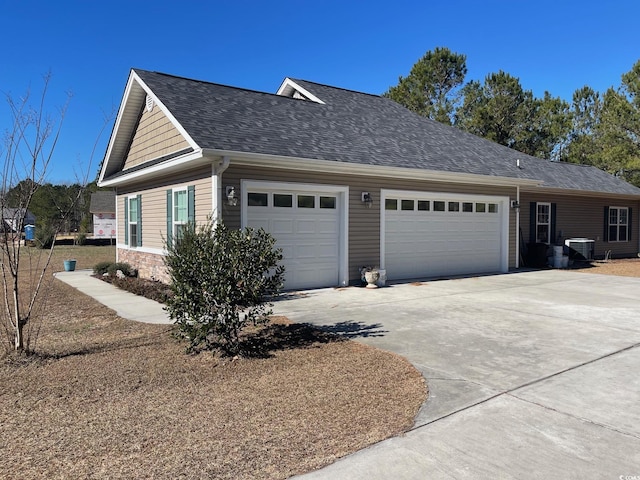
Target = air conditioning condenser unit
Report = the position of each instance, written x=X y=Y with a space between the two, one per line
x=581 y=248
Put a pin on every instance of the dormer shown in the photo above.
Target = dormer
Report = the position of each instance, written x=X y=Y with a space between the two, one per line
x=291 y=89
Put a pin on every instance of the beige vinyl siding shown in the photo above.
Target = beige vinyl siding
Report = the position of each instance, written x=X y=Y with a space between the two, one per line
x=154 y=137
x=154 y=204
x=364 y=223
x=583 y=217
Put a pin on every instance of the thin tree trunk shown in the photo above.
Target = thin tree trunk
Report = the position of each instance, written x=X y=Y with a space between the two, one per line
x=19 y=337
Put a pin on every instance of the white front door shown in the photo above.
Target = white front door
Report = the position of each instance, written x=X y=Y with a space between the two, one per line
x=307 y=226
x=431 y=234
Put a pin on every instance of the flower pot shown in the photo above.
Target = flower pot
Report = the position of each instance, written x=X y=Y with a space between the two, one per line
x=372 y=277
x=69 y=265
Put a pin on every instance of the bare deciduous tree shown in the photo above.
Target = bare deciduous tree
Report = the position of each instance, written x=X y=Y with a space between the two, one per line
x=28 y=149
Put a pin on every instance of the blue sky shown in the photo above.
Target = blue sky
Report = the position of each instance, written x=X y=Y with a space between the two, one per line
x=90 y=46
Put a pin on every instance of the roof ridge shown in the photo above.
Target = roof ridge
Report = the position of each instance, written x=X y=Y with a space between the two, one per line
x=333 y=87
x=206 y=82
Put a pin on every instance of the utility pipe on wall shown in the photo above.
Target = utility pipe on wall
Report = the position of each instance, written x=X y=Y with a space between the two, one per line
x=218 y=169
x=518 y=226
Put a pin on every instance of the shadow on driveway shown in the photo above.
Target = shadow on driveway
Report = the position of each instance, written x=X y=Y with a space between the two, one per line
x=354 y=329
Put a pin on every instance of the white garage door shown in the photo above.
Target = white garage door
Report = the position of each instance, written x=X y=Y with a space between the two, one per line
x=306 y=225
x=429 y=235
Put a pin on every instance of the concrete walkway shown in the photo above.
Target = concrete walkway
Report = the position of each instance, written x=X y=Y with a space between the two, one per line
x=531 y=375
x=126 y=305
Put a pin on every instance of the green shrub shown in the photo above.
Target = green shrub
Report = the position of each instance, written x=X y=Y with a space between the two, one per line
x=222 y=281
x=102 y=268
x=125 y=268
x=112 y=268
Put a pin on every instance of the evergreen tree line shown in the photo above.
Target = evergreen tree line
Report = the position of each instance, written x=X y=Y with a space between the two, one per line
x=596 y=128
x=58 y=208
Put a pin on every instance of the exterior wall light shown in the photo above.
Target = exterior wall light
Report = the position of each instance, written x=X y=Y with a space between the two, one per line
x=515 y=205
x=232 y=196
x=367 y=199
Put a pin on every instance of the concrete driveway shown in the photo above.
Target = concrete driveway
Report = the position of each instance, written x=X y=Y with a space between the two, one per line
x=531 y=375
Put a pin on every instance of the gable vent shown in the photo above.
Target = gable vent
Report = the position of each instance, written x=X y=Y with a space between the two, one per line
x=149 y=102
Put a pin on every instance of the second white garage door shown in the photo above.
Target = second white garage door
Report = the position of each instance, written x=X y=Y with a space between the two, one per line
x=430 y=234
x=307 y=225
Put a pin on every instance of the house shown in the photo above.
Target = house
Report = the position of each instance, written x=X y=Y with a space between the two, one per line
x=103 y=209
x=14 y=220
x=343 y=179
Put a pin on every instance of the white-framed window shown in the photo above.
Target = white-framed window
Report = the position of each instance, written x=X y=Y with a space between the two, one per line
x=180 y=210
x=618 y=224
x=133 y=221
x=543 y=222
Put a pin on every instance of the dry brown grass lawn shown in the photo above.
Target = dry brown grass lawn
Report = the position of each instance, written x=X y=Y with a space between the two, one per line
x=110 y=398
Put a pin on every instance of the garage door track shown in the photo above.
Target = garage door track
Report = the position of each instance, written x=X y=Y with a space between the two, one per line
x=530 y=375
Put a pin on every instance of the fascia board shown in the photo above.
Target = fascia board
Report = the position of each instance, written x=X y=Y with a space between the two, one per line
x=116 y=127
x=175 y=164
x=327 y=166
x=324 y=166
x=134 y=79
x=577 y=193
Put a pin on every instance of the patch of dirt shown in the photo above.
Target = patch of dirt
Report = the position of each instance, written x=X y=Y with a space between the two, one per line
x=109 y=398
x=627 y=267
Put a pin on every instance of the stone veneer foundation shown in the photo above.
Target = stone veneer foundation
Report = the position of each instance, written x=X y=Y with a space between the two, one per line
x=149 y=265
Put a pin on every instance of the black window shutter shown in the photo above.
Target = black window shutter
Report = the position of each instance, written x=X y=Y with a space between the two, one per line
x=126 y=220
x=605 y=236
x=533 y=211
x=139 y=200
x=554 y=209
x=169 y=217
x=629 y=230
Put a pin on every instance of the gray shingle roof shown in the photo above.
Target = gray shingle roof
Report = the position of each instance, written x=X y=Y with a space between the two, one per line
x=103 y=201
x=353 y=127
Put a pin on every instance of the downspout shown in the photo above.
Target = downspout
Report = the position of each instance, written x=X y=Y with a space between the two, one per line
x=518 y=226
x=216 y=187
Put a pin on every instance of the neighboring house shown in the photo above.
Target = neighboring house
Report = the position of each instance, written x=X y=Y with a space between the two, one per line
x=343 y=179
x=103 y=209
x=15 y=219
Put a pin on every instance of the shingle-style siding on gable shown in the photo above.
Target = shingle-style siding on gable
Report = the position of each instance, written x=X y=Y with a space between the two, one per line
x=155 y=137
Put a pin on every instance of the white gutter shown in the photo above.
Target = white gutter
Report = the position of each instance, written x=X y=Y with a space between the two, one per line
x=324 y=166
x=217 y=169
x=330 y=166
x=161 y=168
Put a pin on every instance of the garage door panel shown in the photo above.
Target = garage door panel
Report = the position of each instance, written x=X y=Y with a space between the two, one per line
x=281 y=226
x=306 y=227
x=309 y=239
x=429 y=243
x=315 y=250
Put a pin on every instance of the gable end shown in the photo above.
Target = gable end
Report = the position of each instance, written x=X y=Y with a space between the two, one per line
x=155 y=136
